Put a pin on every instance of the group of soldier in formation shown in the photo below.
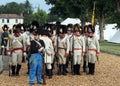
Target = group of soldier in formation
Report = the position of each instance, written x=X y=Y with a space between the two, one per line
x=49 y=44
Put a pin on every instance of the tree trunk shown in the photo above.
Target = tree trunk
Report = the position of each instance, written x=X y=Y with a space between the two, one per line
x=101 y=26
x=82 y=22
x=118 y=7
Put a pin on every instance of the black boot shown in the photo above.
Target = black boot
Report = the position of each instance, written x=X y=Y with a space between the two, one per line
x=92 y=68
x=74 y=70
x=5 y=52
x=89 y=66
x=13 y=70
x=78 y=69
x=49 y=73
x=64 y=68
x=28 y=66
x=84 y=66
x=18 y=69
x=23 y=59
x=52 y=67
x=59 y=69
x=1 y=51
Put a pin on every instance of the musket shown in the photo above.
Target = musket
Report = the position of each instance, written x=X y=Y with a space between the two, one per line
x=3 y=51
x=10 y=65
x=9 y=69
x=97 y=59
x=43 y=71
x=57 y=49
x=72 y=53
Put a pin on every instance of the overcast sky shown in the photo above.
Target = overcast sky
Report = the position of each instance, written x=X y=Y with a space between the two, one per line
x=35 y=3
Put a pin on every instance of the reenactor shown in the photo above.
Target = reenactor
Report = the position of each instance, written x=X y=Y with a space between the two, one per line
x=53 y=39
x=36 y=59
x=25 y=36
x=63 y=50
x=93 y=49
x=78 y=49
x=9 y=41
x=30 y=36
x=48 y=52
x=69 y=35
x=4 y=39
x=85 y=58
x=16 y=51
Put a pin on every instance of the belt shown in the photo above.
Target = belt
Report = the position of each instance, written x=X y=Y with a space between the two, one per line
x=61 y=48
x=14 y=49
x=77 y=48
x=92 y=49
x=5 y=38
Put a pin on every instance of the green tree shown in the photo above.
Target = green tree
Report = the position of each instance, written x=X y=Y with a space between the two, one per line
x=41 y=16
x=103 y=11
x=27 y=11
x=11 y=8
x=70 y=8
x=15 y=8
x=116 y=17
x=83 y=10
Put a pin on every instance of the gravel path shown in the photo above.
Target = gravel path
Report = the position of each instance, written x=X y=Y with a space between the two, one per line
x=107 y=73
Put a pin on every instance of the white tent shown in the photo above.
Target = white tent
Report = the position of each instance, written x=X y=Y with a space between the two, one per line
x=111 y=34
x=116 y=37
x=71 y=21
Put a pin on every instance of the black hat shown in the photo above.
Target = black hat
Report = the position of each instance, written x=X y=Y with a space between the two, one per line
x=77 y=27
x=91 y=29
x=34 y=25
x=36 y=32
x=70 y=27
x=5 y=27
x=85 y=28
x=49 y=29
x=44 y=32
x=17 y=28
x=62 y=29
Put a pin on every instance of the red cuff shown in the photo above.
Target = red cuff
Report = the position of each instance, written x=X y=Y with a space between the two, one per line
x=97 y=52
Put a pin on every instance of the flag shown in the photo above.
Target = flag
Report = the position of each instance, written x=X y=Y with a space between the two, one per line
x=93 y=16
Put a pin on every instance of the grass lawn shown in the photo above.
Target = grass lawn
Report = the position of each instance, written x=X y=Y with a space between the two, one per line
x=109 y=47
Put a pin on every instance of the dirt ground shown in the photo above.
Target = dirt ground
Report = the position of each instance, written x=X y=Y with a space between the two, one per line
x=107 y=73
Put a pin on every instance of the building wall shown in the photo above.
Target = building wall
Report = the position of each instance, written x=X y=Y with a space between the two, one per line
x=10 y=22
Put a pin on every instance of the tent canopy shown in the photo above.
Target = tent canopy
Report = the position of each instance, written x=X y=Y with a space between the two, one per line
x=111 y=33
x=71 y=21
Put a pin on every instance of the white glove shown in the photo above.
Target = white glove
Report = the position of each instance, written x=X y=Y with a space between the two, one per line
x=8 y=53
x=24 y=54
x=2 y=46
x=41 y=49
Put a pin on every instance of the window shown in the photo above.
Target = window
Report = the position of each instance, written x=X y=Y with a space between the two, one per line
x=16 y=20
x=7 y=20
x=3 y=21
